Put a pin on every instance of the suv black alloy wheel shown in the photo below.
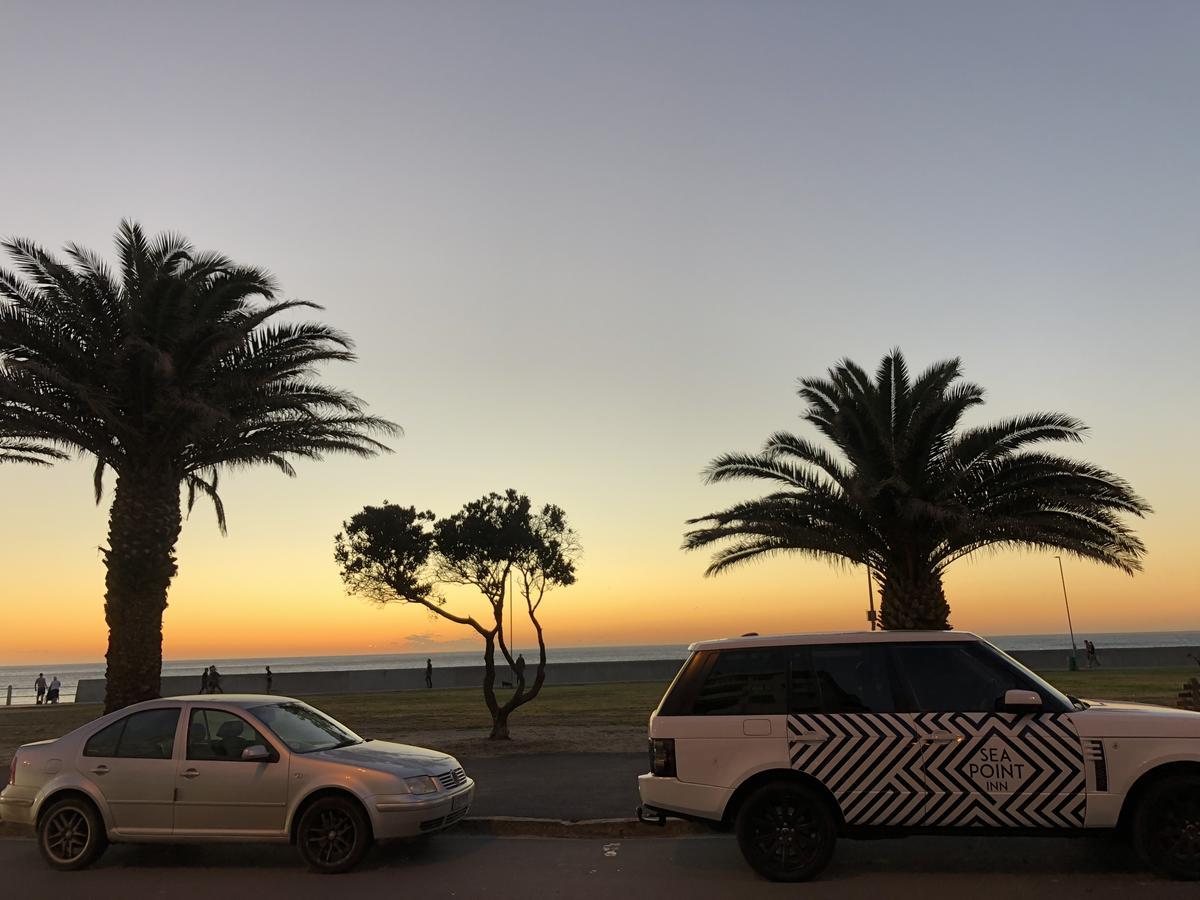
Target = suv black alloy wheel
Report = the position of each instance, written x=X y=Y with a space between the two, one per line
x=786 y=831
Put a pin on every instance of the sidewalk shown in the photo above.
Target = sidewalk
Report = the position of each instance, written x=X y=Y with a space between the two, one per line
x=570 y=786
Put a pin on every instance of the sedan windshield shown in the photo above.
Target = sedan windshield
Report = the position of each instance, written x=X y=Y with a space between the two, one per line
x=304 y=729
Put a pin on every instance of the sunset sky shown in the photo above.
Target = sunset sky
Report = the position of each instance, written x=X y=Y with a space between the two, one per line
x=585 y=247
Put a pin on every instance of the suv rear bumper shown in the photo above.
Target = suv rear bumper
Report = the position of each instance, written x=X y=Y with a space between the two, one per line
x=694 y=801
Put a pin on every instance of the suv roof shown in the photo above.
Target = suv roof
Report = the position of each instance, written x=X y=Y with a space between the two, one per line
x=836 y=637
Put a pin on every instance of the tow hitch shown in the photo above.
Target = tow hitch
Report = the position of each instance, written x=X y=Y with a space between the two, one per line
x=651 y=817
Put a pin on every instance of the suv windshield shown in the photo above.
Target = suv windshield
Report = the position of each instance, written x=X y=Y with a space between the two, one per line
x=304 y=729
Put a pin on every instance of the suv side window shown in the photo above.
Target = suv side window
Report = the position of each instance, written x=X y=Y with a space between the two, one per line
x=955 y=677
x=216 y=734
x=143 y=735
x=750 y=682
x=853 y=678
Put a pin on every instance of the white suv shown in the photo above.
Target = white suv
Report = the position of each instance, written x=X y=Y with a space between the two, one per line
x=796 y=739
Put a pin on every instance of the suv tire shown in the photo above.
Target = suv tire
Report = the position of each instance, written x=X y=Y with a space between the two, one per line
x=1166 y=827
x=786 y=831
x=71 y=834
x=333 y=835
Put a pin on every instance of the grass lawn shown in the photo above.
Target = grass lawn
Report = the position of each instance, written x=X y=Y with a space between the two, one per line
x=601 y=717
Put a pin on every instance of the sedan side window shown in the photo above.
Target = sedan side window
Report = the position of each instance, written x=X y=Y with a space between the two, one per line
x=214 y=734
x=143 y=735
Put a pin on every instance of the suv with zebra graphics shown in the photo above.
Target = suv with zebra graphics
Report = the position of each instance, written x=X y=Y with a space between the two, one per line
x=795 y=740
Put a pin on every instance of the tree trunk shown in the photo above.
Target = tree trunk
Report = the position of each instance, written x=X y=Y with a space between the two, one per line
x=913 y=602
x=143 y=526
x=499 y=716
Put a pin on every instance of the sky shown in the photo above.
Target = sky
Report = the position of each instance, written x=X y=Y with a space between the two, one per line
x=584 y=247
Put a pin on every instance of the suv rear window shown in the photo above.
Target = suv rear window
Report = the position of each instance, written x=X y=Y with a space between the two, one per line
x=732 y=683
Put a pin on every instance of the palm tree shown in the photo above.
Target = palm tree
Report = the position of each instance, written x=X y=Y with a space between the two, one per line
x=907 y=491
x=168 y=372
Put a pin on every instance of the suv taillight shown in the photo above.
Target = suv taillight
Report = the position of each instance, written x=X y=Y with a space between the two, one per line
x=12 y=770
x=662 y=757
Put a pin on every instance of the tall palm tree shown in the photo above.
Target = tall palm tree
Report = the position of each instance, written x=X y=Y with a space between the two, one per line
x=166 y=372
x=907 y=491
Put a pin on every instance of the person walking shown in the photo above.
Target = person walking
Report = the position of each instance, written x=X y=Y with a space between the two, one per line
x=519 y=668
x=214 y=681
x=270 y=679
x=39 y=687
x=428 y=672
x=1092 y=659
x=204 y=681
x=52 y=691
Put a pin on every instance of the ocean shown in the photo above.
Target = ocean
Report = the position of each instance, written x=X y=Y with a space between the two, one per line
x=22 y=677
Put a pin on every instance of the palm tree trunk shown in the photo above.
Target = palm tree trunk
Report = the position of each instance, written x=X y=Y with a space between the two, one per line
x=143 y=526
x=913 y=601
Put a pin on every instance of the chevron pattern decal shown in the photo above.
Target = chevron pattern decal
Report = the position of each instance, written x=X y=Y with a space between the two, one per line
x=945 y=769
x=871 y=763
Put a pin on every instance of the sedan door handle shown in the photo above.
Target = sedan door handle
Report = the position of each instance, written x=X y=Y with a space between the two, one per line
x=100 y=770
x=190 y=773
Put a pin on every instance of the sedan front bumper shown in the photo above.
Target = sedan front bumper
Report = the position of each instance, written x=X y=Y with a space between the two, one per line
x=406 y=815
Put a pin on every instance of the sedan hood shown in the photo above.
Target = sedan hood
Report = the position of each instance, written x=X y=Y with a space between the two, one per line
x=1109 y=718
x=384 y=756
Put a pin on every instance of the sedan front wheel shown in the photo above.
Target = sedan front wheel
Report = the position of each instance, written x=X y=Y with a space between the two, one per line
x=333 y=835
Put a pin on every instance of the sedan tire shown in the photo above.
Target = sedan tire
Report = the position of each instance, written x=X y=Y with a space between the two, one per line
x=71 y=834
x=333 y=835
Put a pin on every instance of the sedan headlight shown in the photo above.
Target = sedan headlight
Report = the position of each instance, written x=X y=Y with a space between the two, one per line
x=421 y=784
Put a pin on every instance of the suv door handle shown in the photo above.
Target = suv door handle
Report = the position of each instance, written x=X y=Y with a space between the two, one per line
x=190 y=773
x=940 y=737
x=808 y=738
x=100 y=770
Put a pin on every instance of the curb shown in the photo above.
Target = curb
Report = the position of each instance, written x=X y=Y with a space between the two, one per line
x=517 y=826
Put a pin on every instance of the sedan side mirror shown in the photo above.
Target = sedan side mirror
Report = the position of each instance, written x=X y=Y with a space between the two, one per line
x=257 y=753
x=1018 y=701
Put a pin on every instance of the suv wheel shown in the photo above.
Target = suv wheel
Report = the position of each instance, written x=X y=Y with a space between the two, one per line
x=1166 y=827
x=71 y=835
x=786 y=831
x=333 y=835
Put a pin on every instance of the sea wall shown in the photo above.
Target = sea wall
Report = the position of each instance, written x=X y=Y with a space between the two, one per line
x=367 y=681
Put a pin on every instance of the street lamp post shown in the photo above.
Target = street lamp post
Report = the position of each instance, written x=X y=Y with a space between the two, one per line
x=871 y=617
x=1074 y=650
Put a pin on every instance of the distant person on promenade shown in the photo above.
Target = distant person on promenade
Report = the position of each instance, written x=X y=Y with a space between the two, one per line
x=428 y=672
x=40 y=687
x=519 y=667
x=214 y=681
x=270 y=679
x=204 y=682
x=52 y=691
x=1092 y=658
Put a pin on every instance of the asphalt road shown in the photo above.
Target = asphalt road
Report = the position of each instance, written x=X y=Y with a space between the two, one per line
x=569 y=786
x=660 y=868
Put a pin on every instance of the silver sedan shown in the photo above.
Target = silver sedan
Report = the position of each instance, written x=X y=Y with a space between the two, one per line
x=229 y=768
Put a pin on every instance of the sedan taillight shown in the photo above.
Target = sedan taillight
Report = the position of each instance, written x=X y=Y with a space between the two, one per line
x=662 y=757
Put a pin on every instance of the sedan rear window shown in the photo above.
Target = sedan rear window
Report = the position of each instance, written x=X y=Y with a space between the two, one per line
x=304 y=729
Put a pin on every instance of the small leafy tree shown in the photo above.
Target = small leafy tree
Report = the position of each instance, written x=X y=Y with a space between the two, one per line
x=395 y=554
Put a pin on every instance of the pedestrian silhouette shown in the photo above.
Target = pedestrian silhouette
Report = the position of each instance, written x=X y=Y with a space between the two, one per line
x=270 y=679
x=204 y=682
x=428 y=672
x=40 y=686
x=214 y=681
